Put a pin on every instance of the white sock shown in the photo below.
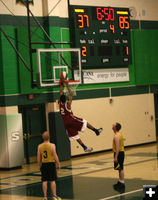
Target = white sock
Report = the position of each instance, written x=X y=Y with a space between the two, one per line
x=122 y=181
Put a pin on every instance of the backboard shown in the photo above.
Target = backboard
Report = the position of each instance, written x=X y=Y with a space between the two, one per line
x=50 y=62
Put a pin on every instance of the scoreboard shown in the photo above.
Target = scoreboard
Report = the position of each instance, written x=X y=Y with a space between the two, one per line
x=102 y=34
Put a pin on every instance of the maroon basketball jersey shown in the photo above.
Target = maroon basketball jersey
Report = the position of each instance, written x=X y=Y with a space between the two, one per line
x=72 y=124
x=65 y=112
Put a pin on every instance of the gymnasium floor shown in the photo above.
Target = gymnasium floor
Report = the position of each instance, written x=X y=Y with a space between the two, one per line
x=89 y=177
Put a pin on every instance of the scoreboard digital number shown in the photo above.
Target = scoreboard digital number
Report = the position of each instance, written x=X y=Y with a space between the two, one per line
x=102 y=34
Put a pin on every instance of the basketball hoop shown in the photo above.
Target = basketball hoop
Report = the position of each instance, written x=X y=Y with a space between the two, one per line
x=73 y=84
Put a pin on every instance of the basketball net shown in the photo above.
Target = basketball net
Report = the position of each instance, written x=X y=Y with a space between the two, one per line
x=73 y=84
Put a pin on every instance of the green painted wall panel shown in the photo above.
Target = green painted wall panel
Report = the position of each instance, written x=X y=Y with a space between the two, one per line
x=129 y=90
x=1 y=67
x=23 y=48
x=145 y=56
x=65 y=36
x=55 y=34
x=153 y=67
x=10 y=67
x=140 y=54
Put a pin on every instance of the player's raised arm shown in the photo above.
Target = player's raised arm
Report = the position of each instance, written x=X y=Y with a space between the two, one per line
x=69 y=90
x=61 y=89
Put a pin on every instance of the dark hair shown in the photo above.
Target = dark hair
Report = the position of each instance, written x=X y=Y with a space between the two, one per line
x=63 y=98
x=118 y=126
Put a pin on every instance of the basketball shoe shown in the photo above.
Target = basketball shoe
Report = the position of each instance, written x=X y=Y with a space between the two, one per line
x=119 y=186
x=56 y=198
x=88 y=149
x=98 y=131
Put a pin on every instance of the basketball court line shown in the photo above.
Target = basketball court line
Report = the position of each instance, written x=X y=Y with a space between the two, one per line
x=85 y=168
x=123 y=194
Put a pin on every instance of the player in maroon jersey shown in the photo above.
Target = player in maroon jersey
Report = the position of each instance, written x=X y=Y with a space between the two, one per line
x=72 y=123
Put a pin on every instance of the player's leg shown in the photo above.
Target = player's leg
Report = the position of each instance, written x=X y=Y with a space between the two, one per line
x=80 y=124
x=44 y=180
x=44 y=187
x=120 y=184
x=86 y=149
x=53 y=178
x=53 y=187
x=97 y=131
x=73 y=135
x=121 y=176
x=121 y=171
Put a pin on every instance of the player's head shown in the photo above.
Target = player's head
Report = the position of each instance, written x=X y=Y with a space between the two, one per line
x=63 y=98
x=116 y=127
x=45 y=136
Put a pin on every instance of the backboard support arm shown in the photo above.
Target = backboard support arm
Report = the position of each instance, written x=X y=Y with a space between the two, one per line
x=17 y=52
x=47 y=36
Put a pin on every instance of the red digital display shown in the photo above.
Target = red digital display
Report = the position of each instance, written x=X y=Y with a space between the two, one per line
x=123 y=22
x=112 y=28
x=105 y=14
x=84 y=51
x=83 y=21
x=127 y=52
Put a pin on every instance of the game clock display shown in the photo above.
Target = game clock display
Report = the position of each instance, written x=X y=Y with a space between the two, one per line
x=102 y=34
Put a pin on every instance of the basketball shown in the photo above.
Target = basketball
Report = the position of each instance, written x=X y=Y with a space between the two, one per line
x=63 y=75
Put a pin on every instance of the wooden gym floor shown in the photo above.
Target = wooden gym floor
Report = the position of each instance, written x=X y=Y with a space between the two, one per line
x=89 y=177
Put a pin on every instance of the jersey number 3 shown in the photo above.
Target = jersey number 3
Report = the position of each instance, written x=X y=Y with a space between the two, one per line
x=45 y=155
